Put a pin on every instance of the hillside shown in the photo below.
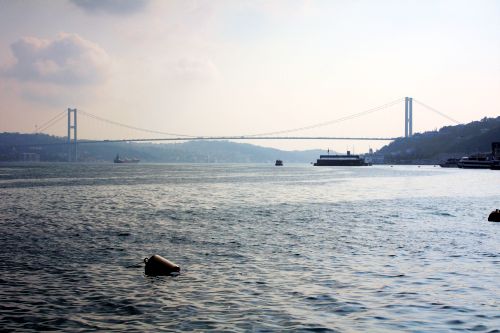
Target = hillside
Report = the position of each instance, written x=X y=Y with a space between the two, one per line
x=450 y=141
x=14 y=145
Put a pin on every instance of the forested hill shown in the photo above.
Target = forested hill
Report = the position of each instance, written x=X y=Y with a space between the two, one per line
x=14 y=146
x=449 y=141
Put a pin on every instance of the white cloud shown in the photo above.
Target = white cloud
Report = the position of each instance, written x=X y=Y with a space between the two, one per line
x=66 y=60
x=115 y=7
x=193 y=69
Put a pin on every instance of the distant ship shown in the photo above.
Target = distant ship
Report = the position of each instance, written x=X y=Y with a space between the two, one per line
x=476 y=161
x=341 y=160
x=479 y=160
x=126 y=160
x=278 y=163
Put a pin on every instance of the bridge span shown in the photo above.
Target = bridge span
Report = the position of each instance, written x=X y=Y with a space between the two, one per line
x=73 y=142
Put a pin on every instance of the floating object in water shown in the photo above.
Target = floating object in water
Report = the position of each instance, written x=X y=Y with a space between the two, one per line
x=157 y=265
x=494 y=216
x=278 y=163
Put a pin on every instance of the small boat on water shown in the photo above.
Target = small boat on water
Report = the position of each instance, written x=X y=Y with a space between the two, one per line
x=278 y=163
x=125 y=160
x=341 y=160
x=450 y=163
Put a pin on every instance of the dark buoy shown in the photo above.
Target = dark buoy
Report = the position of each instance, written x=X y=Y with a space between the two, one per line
x=494 y=216
x=157 y=265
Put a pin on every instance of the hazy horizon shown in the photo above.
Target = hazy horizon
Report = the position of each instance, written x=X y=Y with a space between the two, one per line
x=227 y=68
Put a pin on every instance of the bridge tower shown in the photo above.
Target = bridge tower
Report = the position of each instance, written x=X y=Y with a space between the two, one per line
x=72 y=148
x=408 y=117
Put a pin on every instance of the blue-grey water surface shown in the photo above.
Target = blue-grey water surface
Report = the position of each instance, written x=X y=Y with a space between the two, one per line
x=262 y=248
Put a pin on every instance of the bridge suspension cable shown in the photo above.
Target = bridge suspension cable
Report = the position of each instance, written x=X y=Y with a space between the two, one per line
x=338 y=120
x=88 y=114
x=49 y=123
x=436 y=111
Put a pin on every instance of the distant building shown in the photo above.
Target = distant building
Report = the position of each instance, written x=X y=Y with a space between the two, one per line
x=495 y=150
x=378 y=159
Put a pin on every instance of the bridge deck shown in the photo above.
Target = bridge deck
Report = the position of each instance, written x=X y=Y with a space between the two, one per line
x=83 y=141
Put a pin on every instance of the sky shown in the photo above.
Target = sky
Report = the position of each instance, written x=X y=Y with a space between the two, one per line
x=224 y=68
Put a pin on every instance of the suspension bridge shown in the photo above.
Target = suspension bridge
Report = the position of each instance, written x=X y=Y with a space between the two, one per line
x=73 y=142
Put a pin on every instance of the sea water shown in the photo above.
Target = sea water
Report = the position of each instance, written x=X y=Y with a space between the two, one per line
x=261 y=248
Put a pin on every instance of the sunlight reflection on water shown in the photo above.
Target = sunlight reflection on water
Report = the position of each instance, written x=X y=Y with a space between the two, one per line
x=261 y=248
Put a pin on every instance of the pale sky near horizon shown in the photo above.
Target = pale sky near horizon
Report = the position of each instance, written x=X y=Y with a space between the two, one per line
x=246 y=67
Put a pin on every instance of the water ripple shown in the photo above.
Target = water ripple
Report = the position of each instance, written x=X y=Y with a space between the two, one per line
x=297 y=249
